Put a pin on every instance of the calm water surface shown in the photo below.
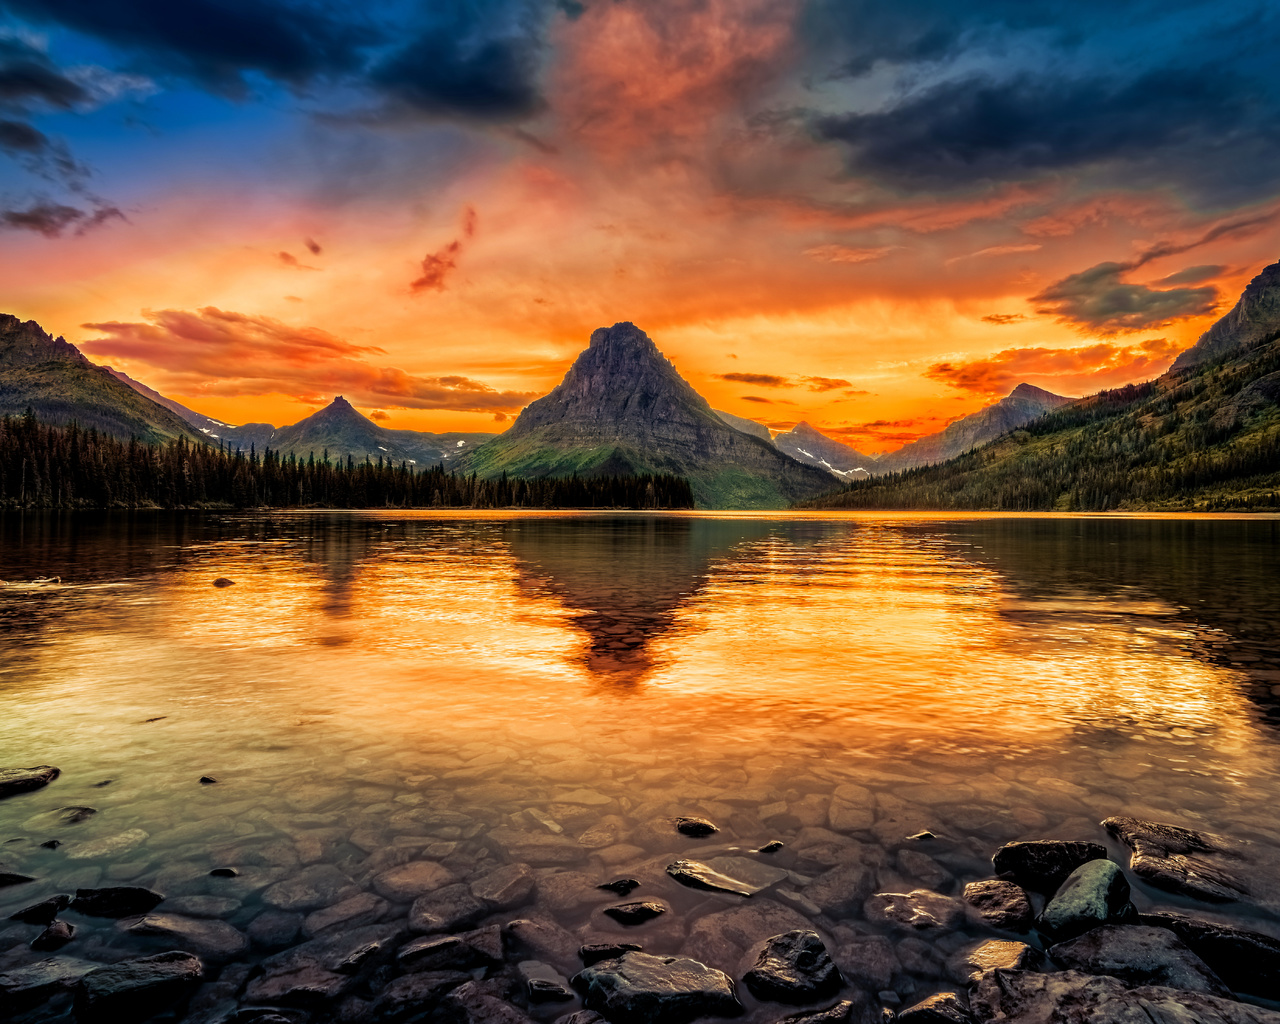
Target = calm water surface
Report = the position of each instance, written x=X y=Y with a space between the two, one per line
x=481 y=688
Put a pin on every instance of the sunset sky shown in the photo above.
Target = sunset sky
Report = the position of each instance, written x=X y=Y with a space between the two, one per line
x=875 y=216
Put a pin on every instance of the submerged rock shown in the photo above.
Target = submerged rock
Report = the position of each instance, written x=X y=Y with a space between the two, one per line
x=543 y=983
x=597 y=951
x=635 y=913
x=622 y=886
x=480 y=948
x=59 y=817
x=354 y=912
x=697 y=828
x=274 y=929
x=406 y=882
x=638 y=988
x=213 y=939
x=470 y=1004
x=773 y=846
x=23 y=987
x=794 y=967
x=1139 y=955
x=919 y=909
x=316 y=886
x=43 y=912
x=110 y=846
x=55 y=936
x=1246 y=961
x=1001 y=904
x=505 y=888
x=323 y=969
x=415 y=996
x=1203 y=865
x=697 y=875
x=1044 y=864
x=941 y=1008
x=23 y=780
x=446 y=910
x=842 y=890
x=1094 y=894
x=137 y=989
x=115 y=901
x=1070 y=997
x=8 y=878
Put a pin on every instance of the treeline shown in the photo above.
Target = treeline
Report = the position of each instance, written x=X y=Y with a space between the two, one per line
x=73 y=468
x=1190 y=441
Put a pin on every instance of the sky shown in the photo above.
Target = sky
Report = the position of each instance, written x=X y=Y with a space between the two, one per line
x=873 y=216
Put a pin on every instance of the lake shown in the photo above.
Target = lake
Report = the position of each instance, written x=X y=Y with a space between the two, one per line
x=470 y=691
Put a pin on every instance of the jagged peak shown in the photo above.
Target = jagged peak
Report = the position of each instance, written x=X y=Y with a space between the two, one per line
x=24 y=343
x=1025 y=390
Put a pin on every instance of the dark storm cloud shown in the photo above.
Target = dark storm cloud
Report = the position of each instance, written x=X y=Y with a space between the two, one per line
x=1193 y=275
x=52 y=219
x=454 y=59
x=1098 y=299
x=40 y=155
x=28 y=78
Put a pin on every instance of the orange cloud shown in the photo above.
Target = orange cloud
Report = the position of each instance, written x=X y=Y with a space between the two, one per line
x=290 y=260
x=436 y=266
x=1065 y=370
x=217 y=352
x=847 y=254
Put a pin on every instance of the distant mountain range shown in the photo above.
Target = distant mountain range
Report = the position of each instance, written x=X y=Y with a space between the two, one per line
x=52 y=378
x=805 y=444
x=623 y=408
x=1204 y=436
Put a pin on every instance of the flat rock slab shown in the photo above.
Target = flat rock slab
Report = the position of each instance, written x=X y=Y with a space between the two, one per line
x=26 y=986
x=1246 y=961
x=58 y=818
x=469 y=1004
x=1001 y=904
x=136 y=989
x=1139 y=955
x=110 y=846
x=479 y=948
x=22 y=780
x=697 y=875
x=406 y=882
x=1094 y=894
x=354 y=912
x=638 y=988
x=1044 y=864
x=543 y=983
x=1202 y=865
x=446 y=910
x=505 y=888
x=320 y=885
x=539 y=849
x=842 y=890
x=1070 y=997
x=794 y=967
x=323 y=969
x=115 y=901
x=409 y=997
x=212 y=939
x=919 y=909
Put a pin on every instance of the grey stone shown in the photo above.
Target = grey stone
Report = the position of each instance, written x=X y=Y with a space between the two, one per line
x=274 y=929
x=406 y=882
x=544 y=939
x=1139 y=955
x=1094 y=894
x=919 y=909
x=869 y=961
x=355 y=911
x=842 y=890
x=471 y=1004
x=543 y=983
x=323 y=969
x=722 y=937
x=794 y=967
x=137 y=989
x=638 y=988
x=446 y=910
x=922 y=866
x=22 y=780
x=22 y=987
x=58 y=818
x=56 y=935
x=115 y=901
x=108 y=846
x=1070 y=997
x=1001 y=904
x=316 y=886
x=1044 y=864
x=212 y=939
x=414 y=996
x=480 y=948
x=940 y=1008
x=966 y=964
x=505 y=888
x=202 y=906
x=538 y=849
x=43 y=912
x=1246 y=961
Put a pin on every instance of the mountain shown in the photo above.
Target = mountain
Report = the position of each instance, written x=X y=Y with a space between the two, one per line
x=745 y=425
x=1253 y=318
x=805 y=444
x=1203 y=437
x=345 y=433
x=207 y=425
x=622 y=408
x=53 y=378
x=1022 y=405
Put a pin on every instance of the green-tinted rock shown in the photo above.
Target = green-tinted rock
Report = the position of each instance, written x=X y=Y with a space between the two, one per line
x=1096 y=893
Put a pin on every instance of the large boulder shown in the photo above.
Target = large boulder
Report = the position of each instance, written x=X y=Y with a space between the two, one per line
x=23 y=780
x=1139 y=955
x=794 y=967
x=1246 y=961
x=1094 y=894
x=1070 y=997
x=1044 y=864
x=638 y=988
x=137 y=989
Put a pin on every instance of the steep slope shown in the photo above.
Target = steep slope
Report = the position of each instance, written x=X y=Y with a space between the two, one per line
x=623 y=408
x=1022 y=405
x=207 y=425
x=1254 y=317
x=745 y=425
x=805 y=444
x=345 y=433
x=52 y=377
x=1205 y=438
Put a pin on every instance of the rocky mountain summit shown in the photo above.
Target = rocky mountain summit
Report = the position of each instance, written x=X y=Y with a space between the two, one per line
x=26 y=343
x=1254 y=317
x=806 y=444
x=623 y=408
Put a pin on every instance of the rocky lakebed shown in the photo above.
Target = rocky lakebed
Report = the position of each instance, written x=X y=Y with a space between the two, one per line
x=766 y=899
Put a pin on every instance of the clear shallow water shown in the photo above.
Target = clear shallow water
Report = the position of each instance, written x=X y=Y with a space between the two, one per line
x=986 y=678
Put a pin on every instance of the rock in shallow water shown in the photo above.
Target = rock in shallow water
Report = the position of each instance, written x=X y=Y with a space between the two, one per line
x=858 y=1010
x=416 y=996
x=43 y=912
x=446 y=910
x=622 y=886
x=696 y=828
x=919 y=909
x=215 y=940
x=1044 y=864
x=406 y=882
x=1094 y=894
x=1001 y=904
x=638 y=988
x=55 y=936
x=1246 y=961
x=115 y=901
x=966 y=964
x=1139 y=955
x=794 y=967
x=942 y=1008
x=23 y=780
x=505 y=888
x=26 y=986
x=136 y=989
x=597 y=951
x=697 y=875
x=635 y=913
x=543 y=983
x=480 y=948
x=323 y=969
x=1070 y=997
x=320 y=885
